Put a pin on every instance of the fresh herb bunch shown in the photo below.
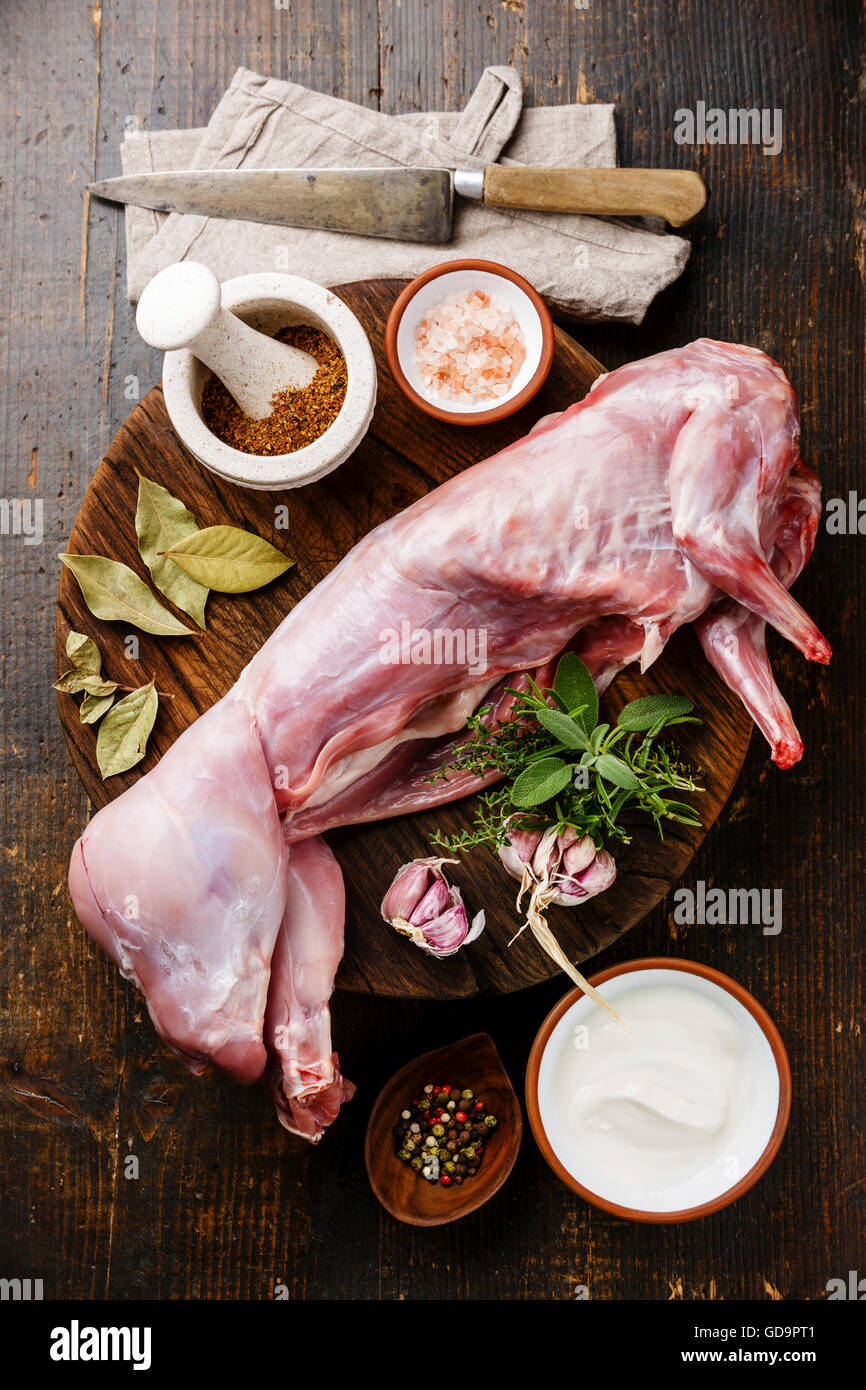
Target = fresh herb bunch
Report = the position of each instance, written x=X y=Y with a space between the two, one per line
x=562 y=768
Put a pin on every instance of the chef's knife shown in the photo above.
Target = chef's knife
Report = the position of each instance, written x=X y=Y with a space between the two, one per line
x=406 y=204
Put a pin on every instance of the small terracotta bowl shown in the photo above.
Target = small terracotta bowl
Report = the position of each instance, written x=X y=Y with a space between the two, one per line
x=712 y=983
x=424 y=293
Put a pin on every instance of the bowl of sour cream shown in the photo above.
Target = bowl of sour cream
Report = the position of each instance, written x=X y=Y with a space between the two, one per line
x=670 y=1113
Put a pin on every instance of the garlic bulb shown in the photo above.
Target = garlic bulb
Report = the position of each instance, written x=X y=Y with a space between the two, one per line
x=423 y=905
x=564 y=868
x=566 y=863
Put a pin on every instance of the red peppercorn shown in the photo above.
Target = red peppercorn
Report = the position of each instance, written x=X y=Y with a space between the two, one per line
x=436 y=1090
x=479 y=1105
x=445 y=1179
x=460 y=1115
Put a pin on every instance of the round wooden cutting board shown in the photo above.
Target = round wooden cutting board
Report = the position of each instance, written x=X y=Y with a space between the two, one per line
x=404 y=455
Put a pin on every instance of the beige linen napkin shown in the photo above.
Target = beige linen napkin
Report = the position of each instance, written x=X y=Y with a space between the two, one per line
x=585 y=267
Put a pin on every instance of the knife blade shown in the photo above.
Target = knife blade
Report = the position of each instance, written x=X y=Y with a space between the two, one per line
x=406 y=204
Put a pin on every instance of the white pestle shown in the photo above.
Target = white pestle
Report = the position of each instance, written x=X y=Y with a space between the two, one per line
x=181 y=307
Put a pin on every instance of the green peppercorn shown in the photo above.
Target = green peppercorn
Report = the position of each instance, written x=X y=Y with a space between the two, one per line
x=466 y=1095
x=450 y=1167
x=404 y=1156
x=417 y=1163
x=438 y=1130
x=490 y=1121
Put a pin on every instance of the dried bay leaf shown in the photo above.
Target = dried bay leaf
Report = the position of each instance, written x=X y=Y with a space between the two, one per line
x=93 y=707
x=73 y=682
x=83 y=653
x=113 y=591
x=123 y=733
x=162 y=521
x=229 y=559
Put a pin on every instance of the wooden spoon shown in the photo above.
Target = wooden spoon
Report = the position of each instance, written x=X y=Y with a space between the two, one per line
x=472 y=1062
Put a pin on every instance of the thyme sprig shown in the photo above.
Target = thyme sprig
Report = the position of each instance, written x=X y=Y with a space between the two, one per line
x=562 y=768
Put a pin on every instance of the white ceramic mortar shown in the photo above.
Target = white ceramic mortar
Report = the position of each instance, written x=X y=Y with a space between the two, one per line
x=269 y=302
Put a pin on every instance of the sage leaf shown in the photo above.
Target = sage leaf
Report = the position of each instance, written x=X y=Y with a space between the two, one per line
x=615 y=770
x=123 y=733
x=229 y=559
x=112 y=590
x=540 y=781
x=568 y=731
x=83 y=653
x=93 y=707
x=575 y=687
x=652 y=710
x=597 y=737
x=162 y=521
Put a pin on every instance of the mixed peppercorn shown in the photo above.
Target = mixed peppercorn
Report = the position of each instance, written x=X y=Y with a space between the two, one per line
x=443 y=1134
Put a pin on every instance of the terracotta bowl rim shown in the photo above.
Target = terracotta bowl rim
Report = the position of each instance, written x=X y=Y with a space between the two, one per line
x=780 y=1057
x=498 y=412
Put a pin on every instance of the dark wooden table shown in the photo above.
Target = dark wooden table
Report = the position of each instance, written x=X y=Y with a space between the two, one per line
x=226 y=1205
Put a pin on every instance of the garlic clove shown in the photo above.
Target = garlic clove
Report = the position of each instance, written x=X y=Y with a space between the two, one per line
x=518 y=852
x=510 y=857
x=422 y=905
x=434 y=902
x=600 y=874
x=579 y=853
x=545 y=860
x=405 y=892
x=524 y=842
x=448 y=932
x=597 y=878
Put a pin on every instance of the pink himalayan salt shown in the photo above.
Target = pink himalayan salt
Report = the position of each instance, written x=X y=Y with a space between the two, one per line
x=469 y=348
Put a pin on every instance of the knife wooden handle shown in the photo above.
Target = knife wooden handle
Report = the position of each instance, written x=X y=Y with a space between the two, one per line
x=675 y=194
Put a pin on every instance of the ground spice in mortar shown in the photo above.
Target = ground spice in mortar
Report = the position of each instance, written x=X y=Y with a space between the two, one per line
x=298 y=417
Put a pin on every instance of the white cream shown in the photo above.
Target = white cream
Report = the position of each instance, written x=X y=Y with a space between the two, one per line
x=669 y=1111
